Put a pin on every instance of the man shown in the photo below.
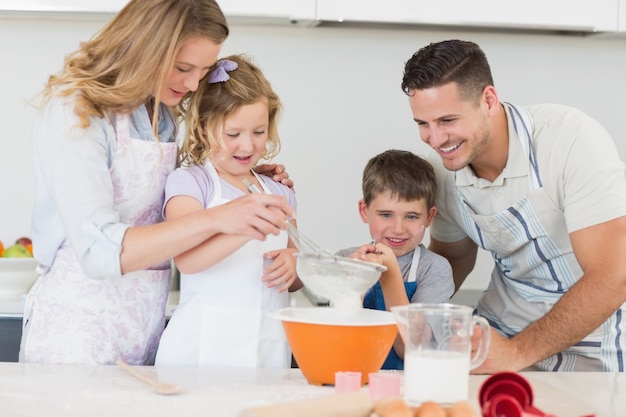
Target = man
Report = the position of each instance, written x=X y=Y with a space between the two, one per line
x=543 y=189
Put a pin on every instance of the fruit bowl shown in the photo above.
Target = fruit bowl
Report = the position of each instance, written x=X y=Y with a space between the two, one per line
x=325 y=340
x=17 y=275
x=340 y=280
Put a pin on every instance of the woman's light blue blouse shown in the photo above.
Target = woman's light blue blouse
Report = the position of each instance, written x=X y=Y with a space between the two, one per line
x=74 y=191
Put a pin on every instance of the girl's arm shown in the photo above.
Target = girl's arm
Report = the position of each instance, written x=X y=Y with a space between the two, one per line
x=281 y=272
x=198 y=237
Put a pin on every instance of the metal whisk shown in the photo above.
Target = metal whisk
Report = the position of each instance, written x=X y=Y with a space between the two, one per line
x=303 y=243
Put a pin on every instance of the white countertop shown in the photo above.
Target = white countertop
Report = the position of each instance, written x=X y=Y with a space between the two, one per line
x=81 y=390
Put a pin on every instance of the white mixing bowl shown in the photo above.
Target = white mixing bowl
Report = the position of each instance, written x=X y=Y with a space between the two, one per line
x=17 y=276
x=340 y=280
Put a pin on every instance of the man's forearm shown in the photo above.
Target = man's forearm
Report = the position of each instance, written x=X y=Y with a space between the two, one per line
x=578 y=313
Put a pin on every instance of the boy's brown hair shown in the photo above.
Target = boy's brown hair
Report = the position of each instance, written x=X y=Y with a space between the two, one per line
x=406 y=175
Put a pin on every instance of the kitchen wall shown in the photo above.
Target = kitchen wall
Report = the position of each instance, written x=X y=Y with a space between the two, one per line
x=342 y=102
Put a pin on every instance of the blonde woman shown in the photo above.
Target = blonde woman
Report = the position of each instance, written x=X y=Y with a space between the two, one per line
x=104 y=143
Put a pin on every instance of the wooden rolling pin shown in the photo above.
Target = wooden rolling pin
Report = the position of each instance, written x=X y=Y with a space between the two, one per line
x=354 y=404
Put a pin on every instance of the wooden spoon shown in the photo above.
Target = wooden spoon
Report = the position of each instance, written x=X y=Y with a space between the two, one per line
x=160 y=387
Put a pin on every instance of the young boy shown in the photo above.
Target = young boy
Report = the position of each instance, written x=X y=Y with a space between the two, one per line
x=398 y=204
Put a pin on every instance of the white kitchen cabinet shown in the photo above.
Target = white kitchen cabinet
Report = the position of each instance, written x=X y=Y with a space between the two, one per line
x=550 y=15
x=566 y=15
x=621 y=26
x=74 y=6
x=300 y=12
x=280 y=11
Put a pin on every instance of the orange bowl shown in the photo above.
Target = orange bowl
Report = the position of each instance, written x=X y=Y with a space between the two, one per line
x=326 y=340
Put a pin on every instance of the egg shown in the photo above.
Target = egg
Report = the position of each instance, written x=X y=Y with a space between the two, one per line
x=461 y=409
x=392 y=408
x=430 y=409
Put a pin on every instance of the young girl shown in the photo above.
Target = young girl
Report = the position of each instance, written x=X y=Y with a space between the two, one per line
x=225 y=290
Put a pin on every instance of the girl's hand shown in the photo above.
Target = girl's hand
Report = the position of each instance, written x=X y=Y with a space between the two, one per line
x=281 y=270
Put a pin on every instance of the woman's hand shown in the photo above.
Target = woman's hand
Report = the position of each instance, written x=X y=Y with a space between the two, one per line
x=254 y=215
x=281 y=270
x=277 y=172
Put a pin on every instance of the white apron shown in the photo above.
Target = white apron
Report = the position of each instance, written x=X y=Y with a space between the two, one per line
x=534 y=266
x=72 y=318
x=415 y=261
x=222 y=316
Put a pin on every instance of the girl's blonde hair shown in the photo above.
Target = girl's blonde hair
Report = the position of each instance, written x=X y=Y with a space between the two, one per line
x=214 y=102
x=118 y=69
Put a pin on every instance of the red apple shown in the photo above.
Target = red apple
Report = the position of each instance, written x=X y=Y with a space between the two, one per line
x=24 y=241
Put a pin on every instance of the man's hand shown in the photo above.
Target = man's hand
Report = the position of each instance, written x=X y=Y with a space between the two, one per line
x=502 y=356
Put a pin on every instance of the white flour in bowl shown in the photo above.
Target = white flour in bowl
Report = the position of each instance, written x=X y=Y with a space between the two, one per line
x=340 y=280
x=339 y=290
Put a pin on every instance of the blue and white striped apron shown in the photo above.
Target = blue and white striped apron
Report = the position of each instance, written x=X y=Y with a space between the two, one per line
x=534 y=266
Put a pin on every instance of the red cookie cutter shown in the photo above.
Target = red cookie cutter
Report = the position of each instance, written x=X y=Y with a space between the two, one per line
x=508 y=394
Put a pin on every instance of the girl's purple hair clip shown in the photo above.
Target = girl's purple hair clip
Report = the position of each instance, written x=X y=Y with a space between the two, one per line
x=220 y=74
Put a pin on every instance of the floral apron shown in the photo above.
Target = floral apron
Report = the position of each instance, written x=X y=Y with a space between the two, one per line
x=534 y=266
x=72 y=318
x=222 y=316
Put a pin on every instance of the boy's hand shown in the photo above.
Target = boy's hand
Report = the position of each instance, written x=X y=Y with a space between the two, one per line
x=376 y=253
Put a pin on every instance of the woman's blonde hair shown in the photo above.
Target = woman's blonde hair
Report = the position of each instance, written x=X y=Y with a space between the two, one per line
x=119 y=68
x=214 y=102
